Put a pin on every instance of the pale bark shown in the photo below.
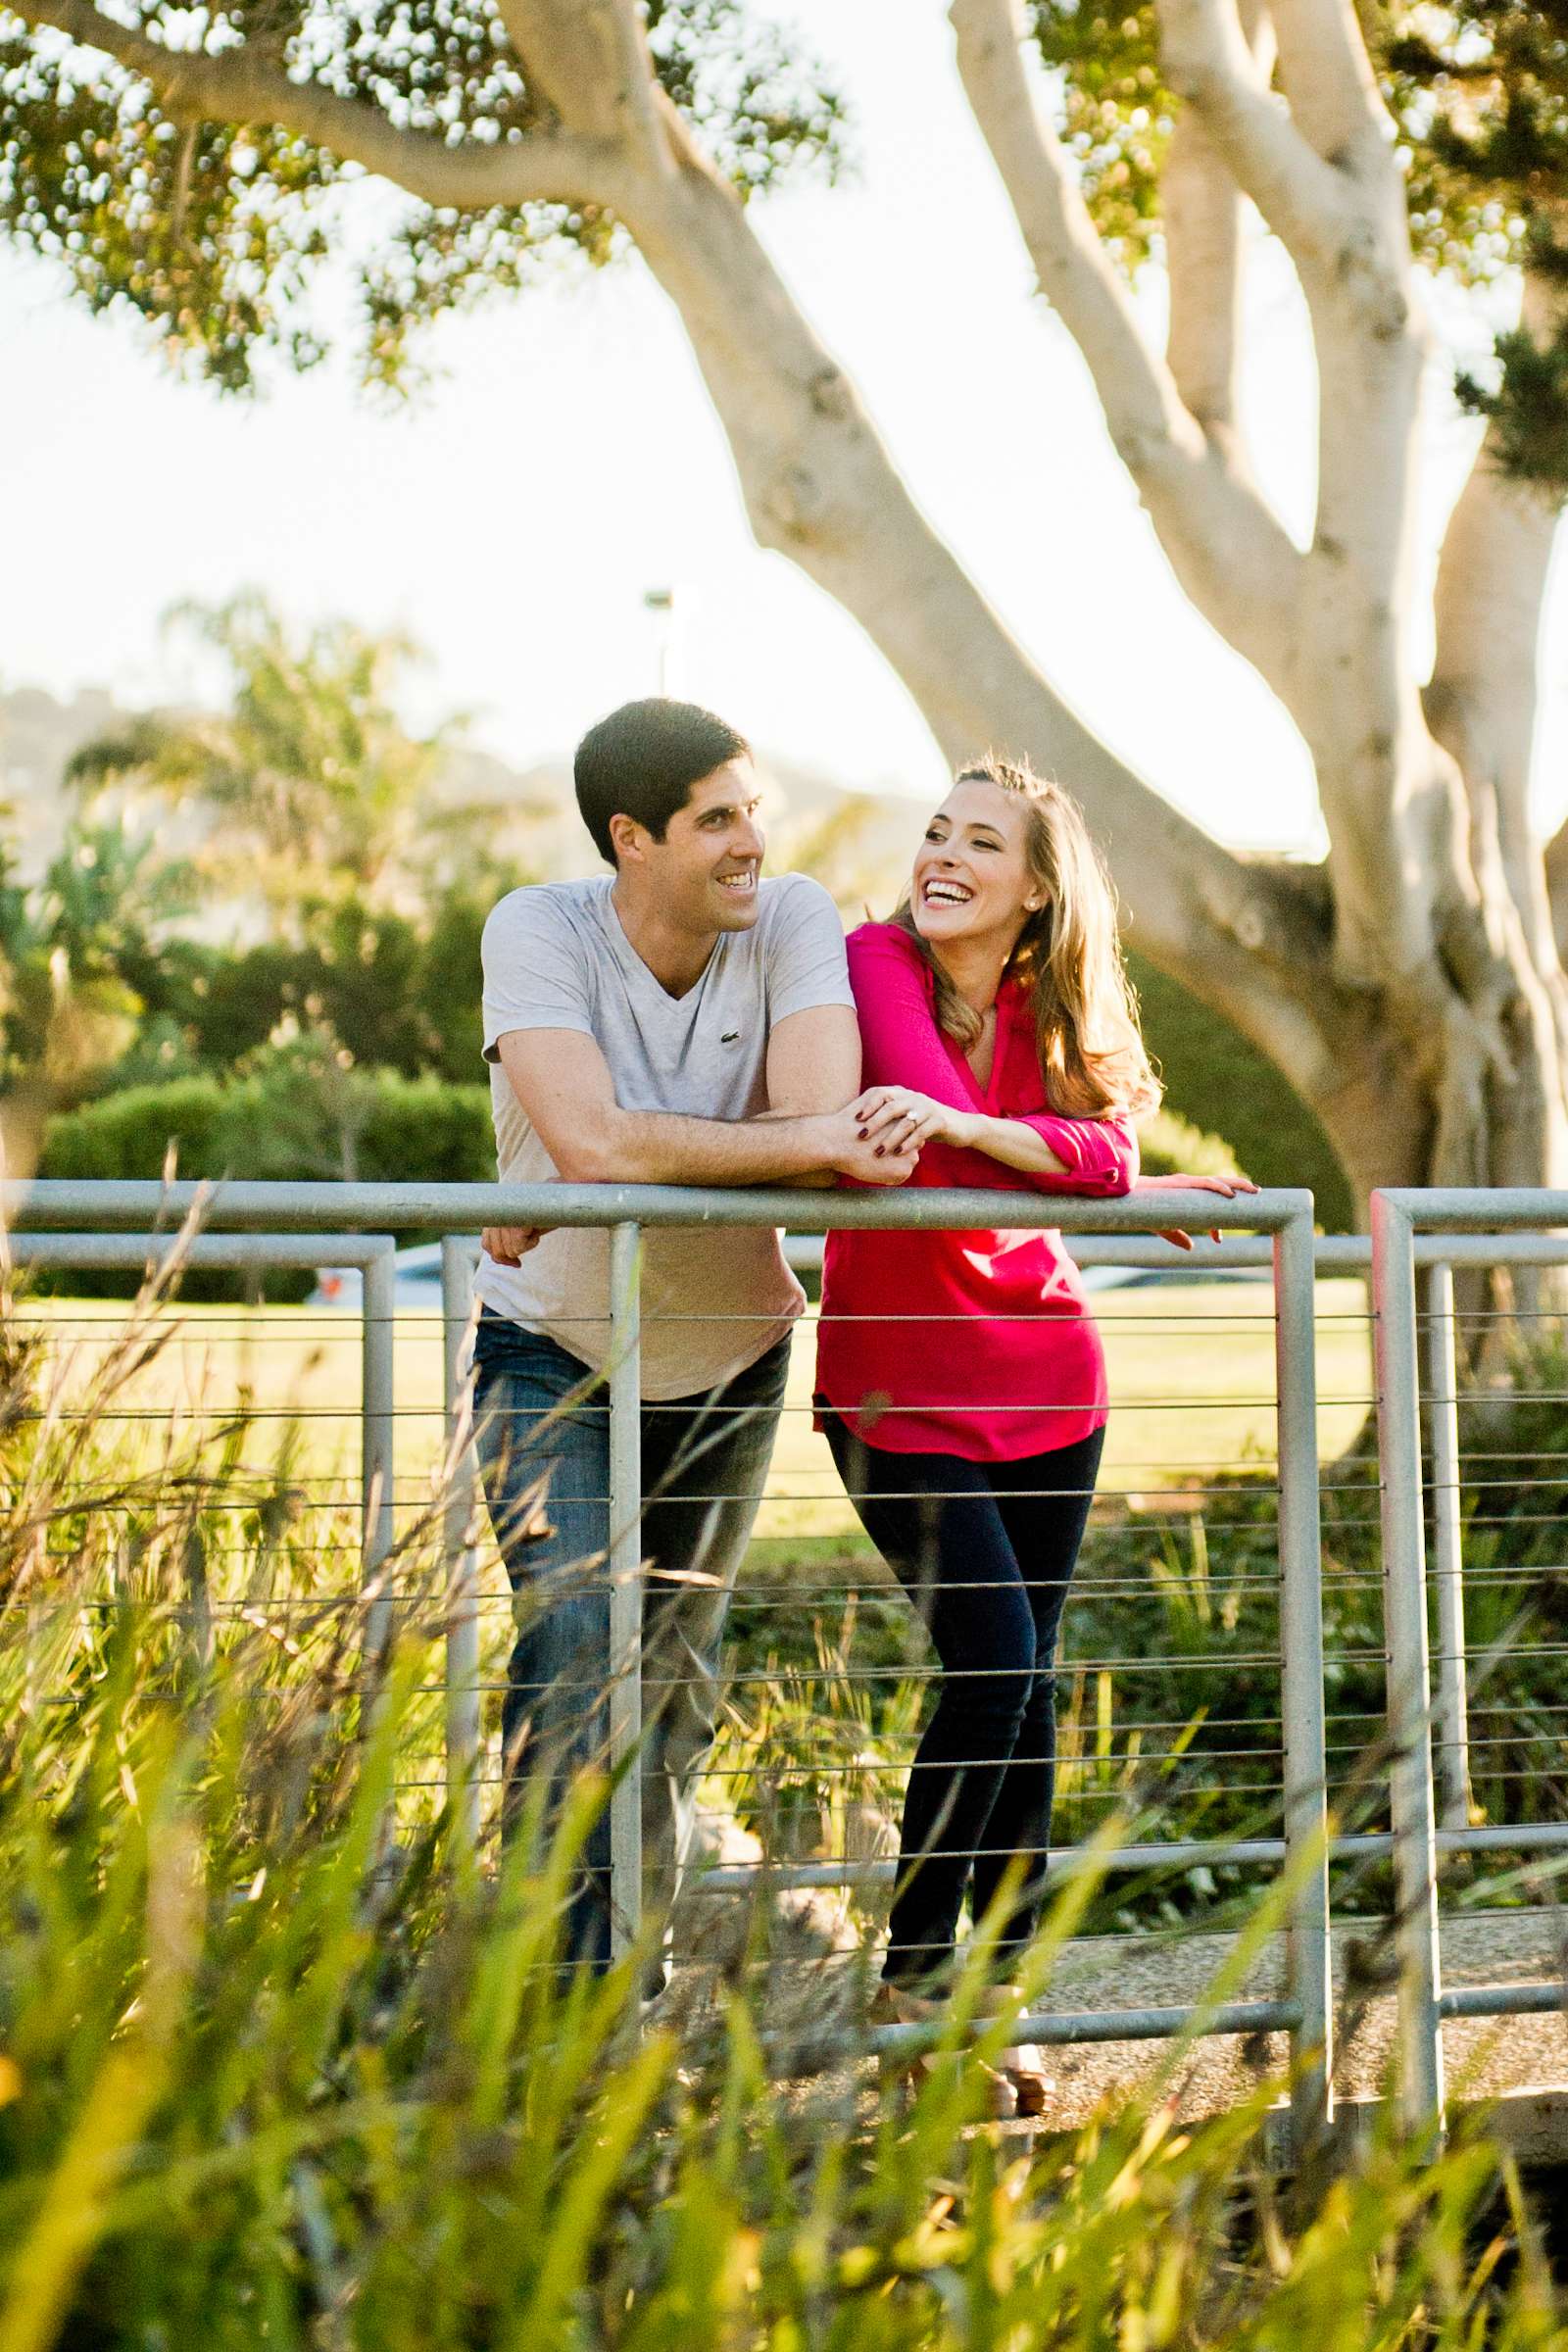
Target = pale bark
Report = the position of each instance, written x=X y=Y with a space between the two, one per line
x=1311 y=207
x=1228 y=549
x=1482 y=698
x=589 y=59
x=1202 y=210
x=1328 y=77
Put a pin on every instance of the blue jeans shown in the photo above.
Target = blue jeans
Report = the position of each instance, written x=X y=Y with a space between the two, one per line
x=542 y=1433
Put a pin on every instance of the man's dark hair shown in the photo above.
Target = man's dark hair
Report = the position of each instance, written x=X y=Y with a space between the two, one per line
x=642 y=761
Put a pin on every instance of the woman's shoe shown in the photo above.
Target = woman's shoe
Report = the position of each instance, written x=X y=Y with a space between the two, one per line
x=893 y=2005
x=1024 y=2065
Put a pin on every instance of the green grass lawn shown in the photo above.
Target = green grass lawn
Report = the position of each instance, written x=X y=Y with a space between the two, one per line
x=1191 y=1381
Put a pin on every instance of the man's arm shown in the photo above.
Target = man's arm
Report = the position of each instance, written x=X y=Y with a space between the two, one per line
x=813 y=1065
x=562 y=1081
x=813 y=1062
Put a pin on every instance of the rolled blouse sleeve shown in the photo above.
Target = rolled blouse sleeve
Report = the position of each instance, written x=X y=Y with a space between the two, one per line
x=902 y=1046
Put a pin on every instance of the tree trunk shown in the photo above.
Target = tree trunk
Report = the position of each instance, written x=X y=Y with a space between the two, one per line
x=1423 y=1067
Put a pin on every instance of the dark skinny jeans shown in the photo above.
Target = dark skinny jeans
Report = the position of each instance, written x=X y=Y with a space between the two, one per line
x=986 y=1551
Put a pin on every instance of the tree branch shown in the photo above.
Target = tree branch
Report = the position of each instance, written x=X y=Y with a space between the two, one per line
x=819 y=488
x=590 y=60
x=1482 y=700
x=1231 y=553
x=234 y=86
x=1314 y=210
x=1328 y=79
x=1201 y=206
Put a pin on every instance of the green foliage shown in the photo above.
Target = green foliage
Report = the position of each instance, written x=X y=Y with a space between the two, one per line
x=86 y=958
x=1116 y=113
x=322 y=812
x=298 y=1110
x=1168 y=1144
x=1527 y=404
x=393 y=992
x=313 y=779
x=1478 y=90
x=282 y=2063
x=1225 y=1087
x=214 y=233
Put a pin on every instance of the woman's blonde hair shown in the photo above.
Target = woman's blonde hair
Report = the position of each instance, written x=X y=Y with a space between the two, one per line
x=1068 y=956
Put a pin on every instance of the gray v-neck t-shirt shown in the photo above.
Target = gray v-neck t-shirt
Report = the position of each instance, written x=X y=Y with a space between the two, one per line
x=714 y=1298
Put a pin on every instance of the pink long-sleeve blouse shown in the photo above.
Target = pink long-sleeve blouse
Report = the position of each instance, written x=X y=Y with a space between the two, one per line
x=974 y=1343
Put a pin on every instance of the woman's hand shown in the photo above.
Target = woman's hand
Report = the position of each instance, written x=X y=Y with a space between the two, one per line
x=848 y=1149
x=897 y=1118
x=1228 y=1187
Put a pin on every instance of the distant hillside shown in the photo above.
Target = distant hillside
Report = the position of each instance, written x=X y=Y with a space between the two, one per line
x=859 y=844
x=37 y=736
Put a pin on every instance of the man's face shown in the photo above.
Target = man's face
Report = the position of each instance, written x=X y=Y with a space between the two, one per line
x=706 y=868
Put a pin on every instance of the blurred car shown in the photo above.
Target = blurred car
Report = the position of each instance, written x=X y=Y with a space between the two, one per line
x=415 y=1283
x=1182 y=1270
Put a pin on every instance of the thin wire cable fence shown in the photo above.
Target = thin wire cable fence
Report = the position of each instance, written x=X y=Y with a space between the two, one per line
x=827 y=1670
x=318 y=1463
x=1474 y=1591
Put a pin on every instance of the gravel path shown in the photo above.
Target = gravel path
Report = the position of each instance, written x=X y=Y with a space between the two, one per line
x=1485 y=2057
x=814 y=1983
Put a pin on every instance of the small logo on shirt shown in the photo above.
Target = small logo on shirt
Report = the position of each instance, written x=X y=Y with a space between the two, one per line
x=730 y=1037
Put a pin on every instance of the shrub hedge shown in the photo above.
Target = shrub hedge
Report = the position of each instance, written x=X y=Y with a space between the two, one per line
x=1223 y=1085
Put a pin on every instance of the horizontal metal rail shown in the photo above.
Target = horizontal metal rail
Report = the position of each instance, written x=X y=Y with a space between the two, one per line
x=225 y=1206
x=1502 y=2000
x=1061 y=2027
x=315 y=1222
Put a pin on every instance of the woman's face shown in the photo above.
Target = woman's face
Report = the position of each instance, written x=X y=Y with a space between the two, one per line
x=971 y=879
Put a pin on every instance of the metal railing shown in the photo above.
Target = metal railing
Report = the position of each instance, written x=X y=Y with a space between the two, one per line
x=1415 y=1234
x=253 y=1224
x=1440 y=1229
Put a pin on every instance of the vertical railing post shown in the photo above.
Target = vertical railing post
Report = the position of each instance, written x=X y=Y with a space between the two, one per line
x=458 y=1550
x=1301 y=1701
x=377 y=1425
x=1404 y=1605
x=1448 y=1562
x=625 y=1589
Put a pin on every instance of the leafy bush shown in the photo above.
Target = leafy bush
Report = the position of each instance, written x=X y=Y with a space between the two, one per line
x=1168 y=1144
x=399 y=994
x=1215 y=1078
x=282 y=2062
x=299 y=1112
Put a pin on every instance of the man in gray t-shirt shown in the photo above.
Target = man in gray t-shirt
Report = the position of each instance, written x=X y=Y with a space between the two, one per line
x=682 y=1022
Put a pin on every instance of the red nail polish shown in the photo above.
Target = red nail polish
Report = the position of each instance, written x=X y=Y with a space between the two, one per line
x=877 y=1153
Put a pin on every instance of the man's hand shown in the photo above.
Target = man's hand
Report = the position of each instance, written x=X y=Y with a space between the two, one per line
x=1228 y=1187
x=849 y=1152
x=509 y=1244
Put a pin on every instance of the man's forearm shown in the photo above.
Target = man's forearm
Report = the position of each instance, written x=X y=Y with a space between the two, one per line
x=809 y=1180
x=658 y=1147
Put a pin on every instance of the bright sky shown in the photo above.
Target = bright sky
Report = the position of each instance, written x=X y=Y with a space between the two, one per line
x=568 y=461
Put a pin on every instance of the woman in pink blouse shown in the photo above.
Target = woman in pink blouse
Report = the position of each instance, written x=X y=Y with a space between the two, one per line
x=961 y=1379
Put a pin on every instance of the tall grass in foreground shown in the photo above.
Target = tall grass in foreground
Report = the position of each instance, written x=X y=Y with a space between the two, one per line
x=274 y=2075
